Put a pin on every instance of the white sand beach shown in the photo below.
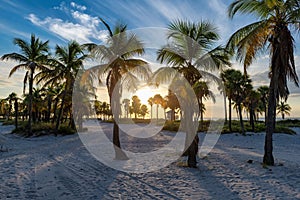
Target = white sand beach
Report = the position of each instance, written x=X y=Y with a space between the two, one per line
x=60 y=167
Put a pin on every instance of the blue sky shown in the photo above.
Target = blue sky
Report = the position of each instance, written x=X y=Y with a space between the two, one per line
x=61 y=21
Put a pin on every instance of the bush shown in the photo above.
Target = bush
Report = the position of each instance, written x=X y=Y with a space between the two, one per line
x=66 y=130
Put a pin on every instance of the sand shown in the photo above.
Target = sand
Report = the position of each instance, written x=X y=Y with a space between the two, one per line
x=60 y=167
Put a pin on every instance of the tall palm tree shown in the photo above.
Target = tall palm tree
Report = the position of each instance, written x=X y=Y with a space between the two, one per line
x=33 y=57
x=191 y=52
x=120 y=69
x=64 y=68
x=275 y=18
x=251 y=103
x=283 y=109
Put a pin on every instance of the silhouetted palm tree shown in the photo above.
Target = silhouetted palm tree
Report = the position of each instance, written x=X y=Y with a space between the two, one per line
x=283 y=109
x=191 y=52
x=120 y=70
x=33 y=57
x=272 y=28
x=65 y=66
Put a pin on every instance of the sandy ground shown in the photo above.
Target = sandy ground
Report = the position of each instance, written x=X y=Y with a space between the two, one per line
x=61 y=168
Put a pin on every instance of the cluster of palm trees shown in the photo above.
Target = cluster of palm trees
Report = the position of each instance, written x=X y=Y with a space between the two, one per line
x=192 y=52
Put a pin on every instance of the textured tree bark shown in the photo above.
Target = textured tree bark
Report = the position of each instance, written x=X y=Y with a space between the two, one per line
x=268 y=158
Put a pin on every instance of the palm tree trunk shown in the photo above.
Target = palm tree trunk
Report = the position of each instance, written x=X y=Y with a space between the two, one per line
x=157 y=112
x=58 y=119
x=225 y=108
x=241 y=118
x=16 y=112
x=30 y=103
x=268 y=158
x=229 y=104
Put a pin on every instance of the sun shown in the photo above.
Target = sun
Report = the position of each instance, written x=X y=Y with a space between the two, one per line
x=145 y=93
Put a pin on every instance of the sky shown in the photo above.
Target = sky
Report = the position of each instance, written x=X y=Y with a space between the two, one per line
x=62 y=21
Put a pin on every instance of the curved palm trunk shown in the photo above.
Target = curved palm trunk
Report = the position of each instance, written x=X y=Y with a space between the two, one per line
x=115 y=102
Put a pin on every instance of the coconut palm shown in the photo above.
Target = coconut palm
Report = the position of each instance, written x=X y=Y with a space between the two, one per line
x=119 y=69
x=283 y=109
x=191 y=51
x=64 y=68
x=275 y=18
x=33 y=57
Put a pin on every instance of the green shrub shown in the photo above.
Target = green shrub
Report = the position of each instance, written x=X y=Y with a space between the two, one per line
x=66 y=130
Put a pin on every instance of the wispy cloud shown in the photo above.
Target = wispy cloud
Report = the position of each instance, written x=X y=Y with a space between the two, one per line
x=85 y=28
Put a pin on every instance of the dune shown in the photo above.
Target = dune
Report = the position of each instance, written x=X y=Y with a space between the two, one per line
x=51 y=167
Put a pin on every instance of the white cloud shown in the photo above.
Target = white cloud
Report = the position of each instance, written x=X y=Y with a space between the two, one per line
x=77 y=6
x=82 y=28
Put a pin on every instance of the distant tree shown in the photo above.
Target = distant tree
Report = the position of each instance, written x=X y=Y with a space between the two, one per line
x=157 y=99
x=172 y=103
x=251 y=103
x=283 y=109
x=136 y=105
x=143 y=111
x=241 y=84
x=126 y=103
x=264 y=96
x=150 y=102
x=203 y=92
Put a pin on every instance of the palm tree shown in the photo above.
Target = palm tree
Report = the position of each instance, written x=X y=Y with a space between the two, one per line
x=264 y=95
x=172 y=103
x=283 y=109
x=157 y=99
x=203 y=93
x=274 y=20
x=251 y=103
x=229 y=88
x=191 y=53
x=33 y=57
x=143 y=111
x=120 y=70
x=136 y=105
x=241 y=84
x=11 y=97
x=65 y=66
x=150 y=102
x=126 y=103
